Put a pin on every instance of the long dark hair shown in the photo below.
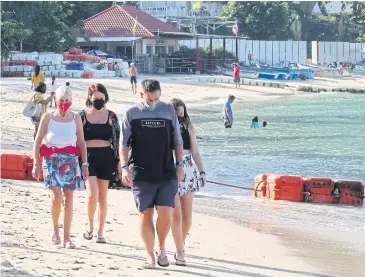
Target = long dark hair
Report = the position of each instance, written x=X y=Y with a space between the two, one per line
x=37 y=69
x=96 y=87
x=186 y=121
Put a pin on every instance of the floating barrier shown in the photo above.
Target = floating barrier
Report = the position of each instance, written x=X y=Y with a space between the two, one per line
x=17 y=165
x=305 y=189
x=309 y=189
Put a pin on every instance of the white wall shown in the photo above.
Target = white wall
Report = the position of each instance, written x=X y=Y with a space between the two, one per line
x=328 y=52
x=270 y=52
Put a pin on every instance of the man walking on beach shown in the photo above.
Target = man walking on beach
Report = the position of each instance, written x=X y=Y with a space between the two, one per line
x=236 y=74
x=151 y=131
x=133 y=75
x=227 y=113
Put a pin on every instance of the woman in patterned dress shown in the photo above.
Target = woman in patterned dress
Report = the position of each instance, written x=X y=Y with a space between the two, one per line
x=59 y=141
x=194 y=178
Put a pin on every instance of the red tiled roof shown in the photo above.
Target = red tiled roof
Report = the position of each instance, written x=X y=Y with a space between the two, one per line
x=117 y=21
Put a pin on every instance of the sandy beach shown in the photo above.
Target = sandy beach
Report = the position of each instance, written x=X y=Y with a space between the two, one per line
x=215 y=247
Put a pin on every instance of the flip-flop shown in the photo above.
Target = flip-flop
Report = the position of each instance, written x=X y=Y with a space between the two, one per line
x=100 y=240
x=88 y=235
x=179 y=262
x=162 y=261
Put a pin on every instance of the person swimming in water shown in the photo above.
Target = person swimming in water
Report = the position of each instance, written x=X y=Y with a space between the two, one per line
x=264 y=123
x=255 y=122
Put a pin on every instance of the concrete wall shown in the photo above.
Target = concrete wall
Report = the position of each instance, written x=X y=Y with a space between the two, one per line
x=324 y=52
x=270 y=52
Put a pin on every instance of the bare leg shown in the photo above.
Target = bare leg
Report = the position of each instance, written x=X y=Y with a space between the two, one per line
x=187 y=213
x=163 y=225
x=147 y=231
x=103 y=204
x=176 y=229
x=69 y=194
x=92 y=201
x=36 y=126
x=56 y=200
x=133 y=88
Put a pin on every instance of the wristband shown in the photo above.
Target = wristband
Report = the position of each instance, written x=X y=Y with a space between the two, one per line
x=124 y=165
x=202 y=172
x=85 y=164
x=179 y=163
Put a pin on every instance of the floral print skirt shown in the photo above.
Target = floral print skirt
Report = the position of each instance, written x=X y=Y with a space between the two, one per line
x=62 y=171
x=191 y=180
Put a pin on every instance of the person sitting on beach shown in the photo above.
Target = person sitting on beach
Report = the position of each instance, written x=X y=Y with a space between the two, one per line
x=101 y=132
x=133 y=75
x=150 y=132
x=37 y=97
x=227 y=114
x=194 y=178
x=63 y=141
x=236 y=74
x=37 y=77
x=255 y=122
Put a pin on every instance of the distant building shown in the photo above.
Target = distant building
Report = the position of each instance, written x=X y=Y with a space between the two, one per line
x=111 y=31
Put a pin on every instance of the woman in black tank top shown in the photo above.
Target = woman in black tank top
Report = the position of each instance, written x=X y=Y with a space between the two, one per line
x=101 y=133
x=194 y=178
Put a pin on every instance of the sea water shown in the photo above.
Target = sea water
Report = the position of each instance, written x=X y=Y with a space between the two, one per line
x=313 y=135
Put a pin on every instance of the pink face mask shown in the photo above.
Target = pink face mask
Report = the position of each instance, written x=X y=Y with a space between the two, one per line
x=63 y=107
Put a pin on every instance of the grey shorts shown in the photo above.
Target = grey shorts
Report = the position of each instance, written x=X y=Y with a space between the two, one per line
x=148 y=195
x=236 y=79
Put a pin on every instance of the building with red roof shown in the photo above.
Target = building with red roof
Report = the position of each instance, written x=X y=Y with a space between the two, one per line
x=112 y=30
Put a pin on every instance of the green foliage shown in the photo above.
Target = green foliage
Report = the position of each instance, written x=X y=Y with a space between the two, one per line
x=12 y=34
x=260 y=20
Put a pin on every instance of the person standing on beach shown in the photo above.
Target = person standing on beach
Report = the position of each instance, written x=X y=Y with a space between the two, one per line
x=63 y=138
x=236 y=74
x=151 y=131
x=37 y=98
x=53 y=91
x=194 y=178
x=37 y=77
x=227 y=113
x=101 y=133
x=133 y=75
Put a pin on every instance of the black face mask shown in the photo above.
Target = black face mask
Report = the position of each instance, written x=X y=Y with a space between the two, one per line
x=98 y=104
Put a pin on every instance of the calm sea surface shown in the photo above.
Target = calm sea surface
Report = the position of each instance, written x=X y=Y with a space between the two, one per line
x=315 y=135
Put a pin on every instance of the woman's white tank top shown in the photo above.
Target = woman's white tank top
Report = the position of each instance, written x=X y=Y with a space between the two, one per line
x=61 y=134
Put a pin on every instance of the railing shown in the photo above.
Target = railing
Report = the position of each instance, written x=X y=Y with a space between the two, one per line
x=179 y=12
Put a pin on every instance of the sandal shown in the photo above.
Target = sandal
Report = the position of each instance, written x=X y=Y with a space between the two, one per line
x=100 y=240
x=179 y=262
x=88 y=235
x=162 y=261
x=56 y=238
x=69 y=244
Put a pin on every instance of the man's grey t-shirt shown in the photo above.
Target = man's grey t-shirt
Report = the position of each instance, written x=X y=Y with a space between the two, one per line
x=151 y=137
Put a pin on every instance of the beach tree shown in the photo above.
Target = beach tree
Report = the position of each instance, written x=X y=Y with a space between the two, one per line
x=13 y=33
x=261 y=20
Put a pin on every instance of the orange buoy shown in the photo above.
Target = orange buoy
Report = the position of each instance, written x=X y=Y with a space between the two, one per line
x=318 y=190
x=284 y=187
x=260 y=185
x=348 y=192
x=13 y=166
